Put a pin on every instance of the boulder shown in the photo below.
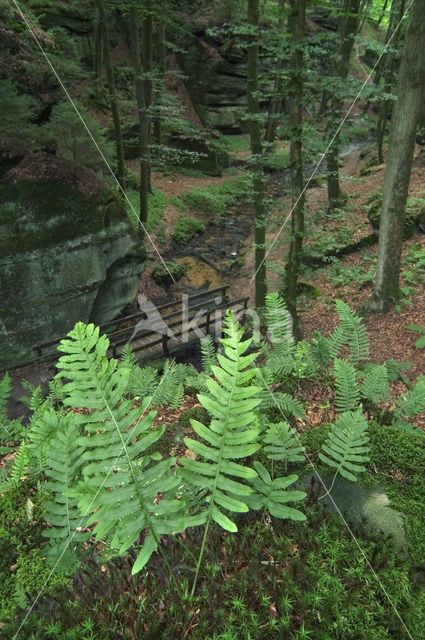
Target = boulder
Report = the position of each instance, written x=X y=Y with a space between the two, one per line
x=67 y=253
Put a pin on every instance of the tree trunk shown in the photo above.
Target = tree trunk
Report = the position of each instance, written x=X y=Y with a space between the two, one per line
x=401 y=144
x=113 y=100
x=147 y=34
x=258 y=185
x=143 y=121
x=277 y=101
x=98 y=51
x=347 y=33
x=297 y=26
x=162 y=68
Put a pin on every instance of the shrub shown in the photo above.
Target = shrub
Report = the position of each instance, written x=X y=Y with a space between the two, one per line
x=186 y=228
x=162 y=276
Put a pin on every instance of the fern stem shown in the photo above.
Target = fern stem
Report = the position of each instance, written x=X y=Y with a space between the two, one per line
x=201 y=553
x=330 y=488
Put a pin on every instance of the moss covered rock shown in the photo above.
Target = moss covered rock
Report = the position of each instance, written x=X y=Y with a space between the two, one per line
x=67 y=253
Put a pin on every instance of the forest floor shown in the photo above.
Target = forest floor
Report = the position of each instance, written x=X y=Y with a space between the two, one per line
x=348 y=278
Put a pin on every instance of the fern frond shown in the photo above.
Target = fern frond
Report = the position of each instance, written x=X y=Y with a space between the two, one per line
x=35 y=398
x=64 y=458
x=272 y=496
x=375 y=386
x=122 y=479
x=277 y=400
x=351 y=333
x=278 y=320
x=128 y=359
x=320 y=350
x=346 y=387
x=232 y=434
x=412 y=403
x=345 y=448
x=43 y=428
x=18 y=469
x=281 y=443
x=208 y=354
x=5 y=391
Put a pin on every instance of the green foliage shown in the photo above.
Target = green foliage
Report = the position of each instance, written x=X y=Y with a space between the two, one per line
x=216 y=199
x=232 y=434
x=375 y=384
x=18 y=470
x=347 y=392
x=345 y=449
x=64 y=459
x=15 y=123
x=234 y=143
x=281 y=443
x=271 y=495
x=156 y=207
x=417 y=328
x=208 y=353
x=72 y=138
x=187 y=228
x=10 y=430
x=349 y=333
x=277 y=160
x=121 y=503
x=410 y=404
x=161 y=272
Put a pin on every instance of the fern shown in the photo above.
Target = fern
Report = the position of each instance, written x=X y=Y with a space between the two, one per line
x=346 y=387
x=43 y=428
x=345 y=448
x=122 y=481
x=375 y=386
x=17 y=471
x=410 y=404
x=208 y=354
x=320 y=350
x=281 y=443
x=271 y=495
x=350 y=333
x=142 y=382
x=64 y=457
x=278 y=320
x=128 y=359
x=232 y=435
x=5 y=391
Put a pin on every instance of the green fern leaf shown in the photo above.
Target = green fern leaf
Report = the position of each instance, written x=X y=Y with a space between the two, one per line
x=122 y=479
x=64 y=458
x=208 y=354
x=281 y=443
x=345 y=448
x=278 y=320
x=375 y=386
x=5 y=391
x=347 y=390
x=128 y=359
x=350 y=333
x=18 y=469
x=412 y=403
x=232 y=434
x=272 y=495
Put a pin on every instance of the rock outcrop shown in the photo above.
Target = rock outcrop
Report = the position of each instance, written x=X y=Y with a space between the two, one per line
x=67 y=253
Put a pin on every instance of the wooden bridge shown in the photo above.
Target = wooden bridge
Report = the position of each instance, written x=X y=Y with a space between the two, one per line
x=156 y=330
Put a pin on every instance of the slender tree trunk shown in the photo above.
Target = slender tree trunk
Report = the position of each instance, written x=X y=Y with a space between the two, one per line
x=162 y=68
x=147 y=38
x=401 y=144
x=258 y=185
x=347 y=34
x=277 y=101
x=113 y=99
x=297 y=26
x=143 y=121
x=98 y=51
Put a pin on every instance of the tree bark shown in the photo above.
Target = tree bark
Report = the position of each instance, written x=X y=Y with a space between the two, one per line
x=162 y=68
x=347 y=33
x=147 y=36
x=277 y=101
x=113 y=99
x=143 y=121
x=401 y=144
x=297 y=26
x=258 y=186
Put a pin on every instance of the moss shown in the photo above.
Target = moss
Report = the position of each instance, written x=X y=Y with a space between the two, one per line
x=161 y=275
x=186 y=228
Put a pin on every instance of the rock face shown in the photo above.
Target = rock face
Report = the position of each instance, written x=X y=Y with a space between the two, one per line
x=67 y=253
